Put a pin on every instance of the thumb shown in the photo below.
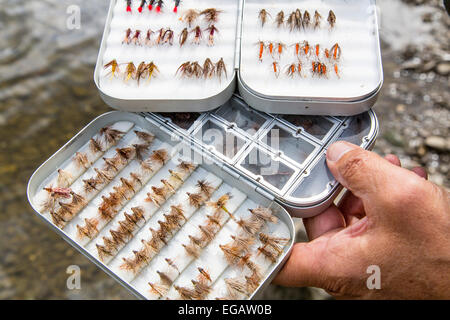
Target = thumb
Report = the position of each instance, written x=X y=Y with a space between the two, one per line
x=367 y=175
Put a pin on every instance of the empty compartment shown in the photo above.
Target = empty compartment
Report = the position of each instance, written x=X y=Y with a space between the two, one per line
x=316 y=126
x=245 y=118
x=356 y=129
x=223 y=141
x=316 y=185
x=183 y=120
x=293 y=146
x=261 y=165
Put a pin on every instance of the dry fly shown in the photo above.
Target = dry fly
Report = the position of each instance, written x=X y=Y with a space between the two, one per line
x=298 y=19
x=136 y=39
x=141 y=71
x=148 y=38
x=251 y=226
x=291 y=21
x=232 y=252
x=145 y=136
x=336 y=51
x=81 y=160
x=91 y=184
x=208 y=232
x=208 y=69
x=268 y=253
x=187 y=293
x=212 y=30
x=130 y=72
x=221 y=203
x=141 y=149
x=195 y=199
x=191 y=16
x=235 y=287
x=204 y=275
x=111 y=135
x=202 y=289
x=275 y=243
x=168 y=36
x=114 y=68
x=264 y=214
x=280 y=19
x=252 y=282
x=263 y=16
x=183 y=36
x=197 y=31
x=192 y=250
x=95 y=145
x=211 y=15
x=247 y=262
x=103 y=176
x=331 y=19
x=276 y=69
x=172 y=264
x=111 y=163
x=90 y=228
x=243 y=242
x=64 y=178
x=168 y=185
x=205 y=187
x=160 y=36
x=221 y=69
x=159 y=289
x=317 y=19
x=127 y=39
x=176 y=175
x=160 y=156
x=306 y=19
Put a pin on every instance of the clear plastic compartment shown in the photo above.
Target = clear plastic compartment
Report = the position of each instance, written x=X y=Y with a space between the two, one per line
x=290 y=144
x=316 y=126
x=267 y=169
x=242 y=117
x=182 y=120
x=356 y=130
x=222 y=140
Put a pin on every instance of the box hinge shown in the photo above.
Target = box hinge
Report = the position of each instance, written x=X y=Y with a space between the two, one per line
x=230 y=171
x=265 y=194
x=237 y=52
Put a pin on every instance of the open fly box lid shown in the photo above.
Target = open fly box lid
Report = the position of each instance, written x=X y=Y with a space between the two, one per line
x=322 y=59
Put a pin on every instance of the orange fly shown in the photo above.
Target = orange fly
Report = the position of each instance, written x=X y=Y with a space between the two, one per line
x=336 y=50
x=280 y=47
x=276 y=69
x=317 y=50
x=271 y=48
x=261 y=50
x=306 y=47
x=336 y=69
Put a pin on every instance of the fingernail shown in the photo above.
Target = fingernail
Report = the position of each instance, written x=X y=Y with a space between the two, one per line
x=338 y=149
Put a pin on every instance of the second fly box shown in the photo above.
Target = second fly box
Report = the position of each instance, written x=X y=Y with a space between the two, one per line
x=285 y=57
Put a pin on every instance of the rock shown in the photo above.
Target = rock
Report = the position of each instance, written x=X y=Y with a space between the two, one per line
x=394 y=138
x=400 y=108
x=438 y=143
x=443 y=68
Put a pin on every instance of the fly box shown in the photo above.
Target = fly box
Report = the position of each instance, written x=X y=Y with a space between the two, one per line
x=285 y=57
x=192 y=206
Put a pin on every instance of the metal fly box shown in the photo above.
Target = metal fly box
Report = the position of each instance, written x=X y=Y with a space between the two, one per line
x=285 y=57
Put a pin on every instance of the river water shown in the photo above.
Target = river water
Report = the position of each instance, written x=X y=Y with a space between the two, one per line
x=47 y=95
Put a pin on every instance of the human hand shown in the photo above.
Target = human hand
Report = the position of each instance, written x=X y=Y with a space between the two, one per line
x=391 y=217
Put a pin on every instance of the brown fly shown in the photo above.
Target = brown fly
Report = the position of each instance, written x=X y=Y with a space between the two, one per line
x=275 y=243
x=251 y=225
x=195 y=199
x=202 y=289
x=280 y=19
x=336 y=51
x=235 y=287
x=168 y=36
x=187 y=293
x=268 y=253
x=90 y=228
x=221 y=69
x=231 y=252
x=160 y=37
x=81 y=160
x=264 y=214
x=211 y=15
x=197 y=31
x=291 y=21
x=298 y=19
x=205 y=187
x=172 y=264
x=244 y=242
x=208 y=69
x=130 y=71
x=141 y=71
x=160 y=156
x=212 y=30
x=192 y=250
x=306 y=19
x=136 y=39
x=114 y=67
x=145 y=136
x=317 y=19
x=148 y=38
x=111 y=135
x=191 y=16
x=127 y=39
x=183 y=36
x=263 y=16
x=64 y=178
x=331 y=18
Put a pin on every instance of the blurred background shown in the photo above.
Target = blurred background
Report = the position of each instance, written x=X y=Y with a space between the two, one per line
x=47 y=95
